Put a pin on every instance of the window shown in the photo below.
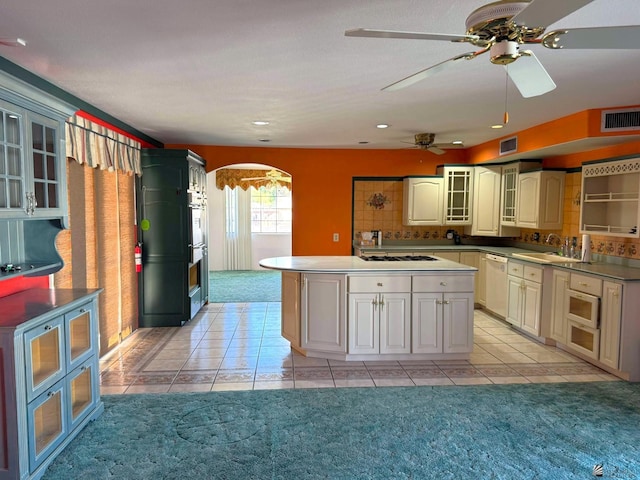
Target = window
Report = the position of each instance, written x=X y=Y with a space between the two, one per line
x=270 y=209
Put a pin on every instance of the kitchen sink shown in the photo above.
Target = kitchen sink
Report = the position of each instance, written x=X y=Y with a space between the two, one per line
x=545 y=257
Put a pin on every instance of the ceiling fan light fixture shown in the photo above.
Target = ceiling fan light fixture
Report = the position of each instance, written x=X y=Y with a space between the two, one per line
x=505 y=52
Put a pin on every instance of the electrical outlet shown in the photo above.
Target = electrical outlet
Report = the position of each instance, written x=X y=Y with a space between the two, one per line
x=336 y=237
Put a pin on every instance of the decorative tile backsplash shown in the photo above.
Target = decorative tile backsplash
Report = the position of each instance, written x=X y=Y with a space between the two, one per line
x=377 y=205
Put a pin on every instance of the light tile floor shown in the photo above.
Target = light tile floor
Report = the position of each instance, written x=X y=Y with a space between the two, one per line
x=238 y=346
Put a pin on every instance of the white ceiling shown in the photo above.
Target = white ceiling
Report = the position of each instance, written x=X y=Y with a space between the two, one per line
x=199 y=71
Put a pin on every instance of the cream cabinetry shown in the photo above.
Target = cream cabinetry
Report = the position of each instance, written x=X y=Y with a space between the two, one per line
x=509 y=194
x=610 y=319
x=481 y=284
x=422 y=200
x=487 y=211
x=540 y=199
x=379 y=314
x=472 y=259
x=50 y=375
x=323 y=313
x=442 y=314
x=558 y=314
x=524 y=296
x=458 y=194
x=290 y=288
x=610 y=198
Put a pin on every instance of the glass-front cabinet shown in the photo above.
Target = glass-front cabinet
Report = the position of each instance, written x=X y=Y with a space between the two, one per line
x=458 y=194
x=12 y=195
x=49 y=381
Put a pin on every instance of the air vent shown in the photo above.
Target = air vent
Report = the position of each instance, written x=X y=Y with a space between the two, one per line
x=620 y=120
x=509 y=145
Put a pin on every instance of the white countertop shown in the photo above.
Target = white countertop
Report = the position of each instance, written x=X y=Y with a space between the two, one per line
x=348 y=264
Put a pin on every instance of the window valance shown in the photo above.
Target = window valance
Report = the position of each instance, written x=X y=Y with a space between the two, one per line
x=237 y=177
x=98 y=146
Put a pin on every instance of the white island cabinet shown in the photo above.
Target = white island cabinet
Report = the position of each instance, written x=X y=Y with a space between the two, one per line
x=352 y=309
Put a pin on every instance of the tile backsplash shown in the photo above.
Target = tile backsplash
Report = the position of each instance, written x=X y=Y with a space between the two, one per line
x=377 y=205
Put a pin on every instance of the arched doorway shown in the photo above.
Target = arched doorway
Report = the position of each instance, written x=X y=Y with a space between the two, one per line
x=255 y=204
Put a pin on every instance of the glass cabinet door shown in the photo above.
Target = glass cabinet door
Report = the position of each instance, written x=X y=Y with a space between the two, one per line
x=79 y=339
x=46 y=423
x=509 y=191
x=11 y=160
x=458 y=196
x=82 y=392
x=44 y=158
x=44 y=354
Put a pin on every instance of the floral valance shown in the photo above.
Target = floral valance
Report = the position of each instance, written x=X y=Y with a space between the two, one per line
x=239 y=177
x=98 y=146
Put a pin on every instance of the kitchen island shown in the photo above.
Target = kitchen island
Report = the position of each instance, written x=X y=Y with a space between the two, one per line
x=348 y=308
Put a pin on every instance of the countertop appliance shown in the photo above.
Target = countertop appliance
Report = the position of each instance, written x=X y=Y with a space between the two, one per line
x=496 y=275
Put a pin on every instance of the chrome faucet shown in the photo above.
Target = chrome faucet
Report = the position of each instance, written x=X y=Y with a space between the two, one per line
x=551 y=235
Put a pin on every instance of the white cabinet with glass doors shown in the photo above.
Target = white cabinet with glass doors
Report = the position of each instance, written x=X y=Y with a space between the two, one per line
x=458 y=194
x=51 y=386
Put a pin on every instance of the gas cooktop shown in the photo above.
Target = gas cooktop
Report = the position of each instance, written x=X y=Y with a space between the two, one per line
x=399 y=258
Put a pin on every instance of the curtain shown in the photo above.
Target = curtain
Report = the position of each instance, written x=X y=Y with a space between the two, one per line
x=237 y=244
x=235 y=177
x=98 y=146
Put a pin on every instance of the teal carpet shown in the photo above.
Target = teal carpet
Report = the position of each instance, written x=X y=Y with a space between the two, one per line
x=244 y=286
x=535 y=431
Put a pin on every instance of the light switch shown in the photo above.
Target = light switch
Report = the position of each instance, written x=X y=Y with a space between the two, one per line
x=336 y=237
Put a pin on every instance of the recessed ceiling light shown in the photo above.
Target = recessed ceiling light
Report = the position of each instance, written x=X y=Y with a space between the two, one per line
x=382 y=125
x=264 y=140
x=457 y=142
x=21 y=41
x=364 y=142
x=260 y=122
x=497 y=126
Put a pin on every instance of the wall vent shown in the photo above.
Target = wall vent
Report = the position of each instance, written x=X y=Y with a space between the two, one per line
x=508 y=145
x=620 y=120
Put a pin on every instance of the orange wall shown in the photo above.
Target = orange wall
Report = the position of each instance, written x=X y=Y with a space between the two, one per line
x=322 y=184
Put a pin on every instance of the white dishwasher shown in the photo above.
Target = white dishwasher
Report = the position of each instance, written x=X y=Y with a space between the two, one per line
x=496 y=277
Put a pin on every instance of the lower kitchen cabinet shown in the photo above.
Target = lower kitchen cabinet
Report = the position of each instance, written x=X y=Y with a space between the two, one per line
x=559 y=287
x=610 y=317
x=442 y=314
x=290 y=327
x=323 y=322
x=524 y=297
x=379 y=314
x=50 y=375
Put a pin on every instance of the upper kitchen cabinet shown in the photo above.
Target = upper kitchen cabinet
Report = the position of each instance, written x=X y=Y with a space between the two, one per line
x=486 y=210
x=540 y=199
x=422 y=200
x=32 y=152
x=610 y=195
x=458 y=194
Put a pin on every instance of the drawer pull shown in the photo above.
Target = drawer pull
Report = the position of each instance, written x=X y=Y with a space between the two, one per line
x=444 y=284
x=48 y=327
x=82 y=310
x=379 y=284
x=50 y=394
x=583 y=284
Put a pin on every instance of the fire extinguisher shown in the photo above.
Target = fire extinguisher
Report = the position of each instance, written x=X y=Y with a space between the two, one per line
x=137 y=253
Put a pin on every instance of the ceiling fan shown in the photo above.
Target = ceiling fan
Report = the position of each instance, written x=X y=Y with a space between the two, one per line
x=500 y=28
x=425 y=141
x=273 y=176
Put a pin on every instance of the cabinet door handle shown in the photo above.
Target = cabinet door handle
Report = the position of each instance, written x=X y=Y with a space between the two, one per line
x=50 y=394
x=381 y=302
x=82 y=310
x=446 y=302
x=374 y=302
x=48 y=327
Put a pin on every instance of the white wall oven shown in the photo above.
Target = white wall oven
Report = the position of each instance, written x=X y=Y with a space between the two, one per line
x=583 y=314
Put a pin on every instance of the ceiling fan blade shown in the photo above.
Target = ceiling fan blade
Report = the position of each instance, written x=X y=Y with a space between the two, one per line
x=530 y=76
x=432 y=70
x=447 y=145
x=436 y=150
x=624 y=37
x=541 y=13
x=365 y=32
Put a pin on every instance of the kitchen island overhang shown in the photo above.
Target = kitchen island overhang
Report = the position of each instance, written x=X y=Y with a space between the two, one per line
x=347 y=308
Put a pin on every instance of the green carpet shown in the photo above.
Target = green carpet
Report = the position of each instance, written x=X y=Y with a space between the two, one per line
x=534 y=431
x=244 y=286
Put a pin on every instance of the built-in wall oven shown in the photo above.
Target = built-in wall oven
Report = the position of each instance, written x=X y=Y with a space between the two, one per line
x=583 y=314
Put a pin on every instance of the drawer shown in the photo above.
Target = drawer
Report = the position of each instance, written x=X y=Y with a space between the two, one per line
x=379 y=283
x=533 y=273
x=516 y=269
x=586 y=284
x=443 y=283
